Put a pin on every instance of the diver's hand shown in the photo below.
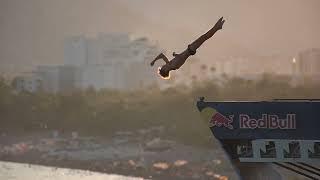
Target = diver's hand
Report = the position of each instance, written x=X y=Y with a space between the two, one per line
x=219 y=24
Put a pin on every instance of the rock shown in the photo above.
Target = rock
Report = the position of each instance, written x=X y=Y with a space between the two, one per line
x=131 y=163
x=116 y=163
x=223 y=178
x=218 y=176
x=179 y=163
x=217 y=161
x=161 y=165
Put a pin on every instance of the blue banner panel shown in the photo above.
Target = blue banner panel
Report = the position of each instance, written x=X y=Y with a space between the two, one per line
x=263 y=119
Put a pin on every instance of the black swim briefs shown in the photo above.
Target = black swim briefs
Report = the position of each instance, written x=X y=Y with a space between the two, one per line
x=191 y=51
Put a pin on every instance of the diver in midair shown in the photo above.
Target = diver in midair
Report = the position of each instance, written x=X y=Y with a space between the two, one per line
x=180 y=59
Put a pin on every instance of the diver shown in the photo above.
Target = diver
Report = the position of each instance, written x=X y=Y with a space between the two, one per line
x=180 y=59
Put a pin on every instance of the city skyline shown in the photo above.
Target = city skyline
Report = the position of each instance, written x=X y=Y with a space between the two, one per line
x=32 y=32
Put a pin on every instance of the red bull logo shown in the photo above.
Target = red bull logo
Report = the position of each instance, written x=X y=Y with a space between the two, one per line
x=268 y=122
x=219 y=120
x=216 y=118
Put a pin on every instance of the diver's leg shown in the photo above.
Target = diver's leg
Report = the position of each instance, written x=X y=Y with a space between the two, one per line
x=197 y=43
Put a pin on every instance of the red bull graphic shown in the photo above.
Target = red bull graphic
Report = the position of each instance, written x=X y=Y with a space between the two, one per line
x=219 y=120
x=215 y=118
x=268 y=121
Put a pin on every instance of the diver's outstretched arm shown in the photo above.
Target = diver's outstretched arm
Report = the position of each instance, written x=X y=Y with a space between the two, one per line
x=197 y=43
x=160 y=56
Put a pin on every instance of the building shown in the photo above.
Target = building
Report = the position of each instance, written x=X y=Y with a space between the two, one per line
x=29 y=82
x=69 y=78
x=50 y=78
x=107 y=61
x=308 y=64
x=97 y=77
x=75 y=51
x=111 y=61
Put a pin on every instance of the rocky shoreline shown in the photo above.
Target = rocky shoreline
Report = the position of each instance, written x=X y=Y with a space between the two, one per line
x=125 y=153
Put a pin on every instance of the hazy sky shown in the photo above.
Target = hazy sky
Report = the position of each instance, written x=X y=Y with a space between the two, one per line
x=32 y=31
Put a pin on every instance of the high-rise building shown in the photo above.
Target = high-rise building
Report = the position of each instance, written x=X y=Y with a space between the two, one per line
x=75 y=51
x=111 y=60
x=108 y=61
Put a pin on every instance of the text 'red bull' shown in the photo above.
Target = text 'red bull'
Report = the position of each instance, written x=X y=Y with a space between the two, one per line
x=219 y=120
x=268 y=122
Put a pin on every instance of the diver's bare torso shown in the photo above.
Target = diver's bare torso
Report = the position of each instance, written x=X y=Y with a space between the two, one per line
x=180 y=59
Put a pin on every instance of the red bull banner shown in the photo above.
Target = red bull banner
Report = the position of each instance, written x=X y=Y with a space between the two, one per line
x=262 y=120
